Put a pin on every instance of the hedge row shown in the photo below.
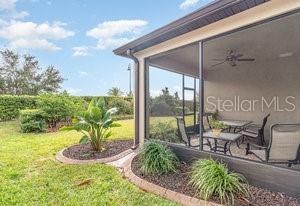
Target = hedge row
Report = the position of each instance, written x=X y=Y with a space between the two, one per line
x=10 y=105
x=107 y=98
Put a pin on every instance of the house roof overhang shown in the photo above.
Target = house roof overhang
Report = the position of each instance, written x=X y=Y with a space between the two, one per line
x=213 y=12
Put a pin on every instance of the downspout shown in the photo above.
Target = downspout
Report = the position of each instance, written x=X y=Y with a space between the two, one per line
x=136 y=98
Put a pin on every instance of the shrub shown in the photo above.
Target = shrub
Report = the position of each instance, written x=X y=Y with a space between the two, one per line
x=156 y=158
x=164 y=131
x=123 y=106
x=95 y=124
x=32 y=120
x=161 y=109
x=58 y=107
x=178 y=110
x=213 y=178
x=107 y=99
x=10 y=105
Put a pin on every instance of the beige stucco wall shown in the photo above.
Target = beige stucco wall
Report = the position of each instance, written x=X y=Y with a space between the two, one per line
x=256 y=14
x=268 y=79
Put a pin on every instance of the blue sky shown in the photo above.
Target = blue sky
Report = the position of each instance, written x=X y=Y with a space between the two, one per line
x=78 y=36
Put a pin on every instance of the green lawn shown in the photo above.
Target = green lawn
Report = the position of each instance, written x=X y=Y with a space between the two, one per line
x=30 y=175
x=189 y=120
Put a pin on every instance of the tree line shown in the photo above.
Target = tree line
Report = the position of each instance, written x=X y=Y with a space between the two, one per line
x=23 y=75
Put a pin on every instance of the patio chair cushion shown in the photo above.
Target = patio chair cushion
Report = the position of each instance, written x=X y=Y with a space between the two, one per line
x=285 y=142
x=252 y=128
x=249 y=134
x=182 y=131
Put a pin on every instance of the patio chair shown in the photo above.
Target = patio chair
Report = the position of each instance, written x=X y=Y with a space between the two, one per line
x=185 y=135
x=283 y=148
x=206 y=121
x=256 y=132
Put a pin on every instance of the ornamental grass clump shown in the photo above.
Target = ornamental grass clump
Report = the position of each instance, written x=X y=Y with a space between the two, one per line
x=212 y=178
x=156 y=158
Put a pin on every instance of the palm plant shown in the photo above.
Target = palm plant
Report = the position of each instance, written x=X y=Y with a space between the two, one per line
x=212 y=178
x=115 y=91
x=95 y=124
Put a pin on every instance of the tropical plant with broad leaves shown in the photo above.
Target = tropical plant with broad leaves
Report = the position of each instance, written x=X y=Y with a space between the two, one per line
x=95 y=123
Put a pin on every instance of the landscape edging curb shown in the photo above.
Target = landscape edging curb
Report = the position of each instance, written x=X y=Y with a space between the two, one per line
x=163 y=192
x=63 y=159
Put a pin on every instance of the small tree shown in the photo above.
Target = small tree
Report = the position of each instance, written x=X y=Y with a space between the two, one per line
x=95 y=124
x=115 y=91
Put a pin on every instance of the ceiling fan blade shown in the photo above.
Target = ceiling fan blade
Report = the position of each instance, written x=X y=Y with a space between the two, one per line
x=246 y=60
x=239 y=55
x=218 y=59
x=218 y=64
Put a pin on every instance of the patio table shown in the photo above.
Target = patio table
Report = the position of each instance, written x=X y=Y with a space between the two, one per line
x=228 y=138
x=236 y=125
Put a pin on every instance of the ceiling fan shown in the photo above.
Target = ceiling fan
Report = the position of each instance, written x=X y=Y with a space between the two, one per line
x=232 y=58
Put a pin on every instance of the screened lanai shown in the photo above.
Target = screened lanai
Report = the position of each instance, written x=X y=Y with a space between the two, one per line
x=250 y=78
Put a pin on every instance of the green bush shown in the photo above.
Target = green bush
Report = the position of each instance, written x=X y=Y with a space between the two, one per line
x=159 y=109
x=107 y=99
x=10 y=105
x=212 y=178
x=156 y=158
x=178 y=110
x=32 y=120
x=123 y=106
x=164 y=131
x=58 y=107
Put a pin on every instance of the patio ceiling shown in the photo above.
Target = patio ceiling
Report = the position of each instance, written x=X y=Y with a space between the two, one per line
x=266 y=42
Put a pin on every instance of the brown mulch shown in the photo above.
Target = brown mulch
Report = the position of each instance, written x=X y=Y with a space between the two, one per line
x=86 y=152
x=179 y=180
x=52 y=128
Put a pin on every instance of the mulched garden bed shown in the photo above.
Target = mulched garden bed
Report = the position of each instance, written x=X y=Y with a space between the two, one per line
x=178 y=182
x=52 y=128
x=86 y=152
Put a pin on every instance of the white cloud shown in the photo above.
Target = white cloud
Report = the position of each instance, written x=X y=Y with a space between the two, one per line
x=188 y=3
x=20 y=15
x=20 y=29
x=80 y=51
x=111 y=34
x=29 y=35
x=8 y=8
x=3 y=23
x=33 y=44
x=7 y=4
x=83 y=73
x=73 y=91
